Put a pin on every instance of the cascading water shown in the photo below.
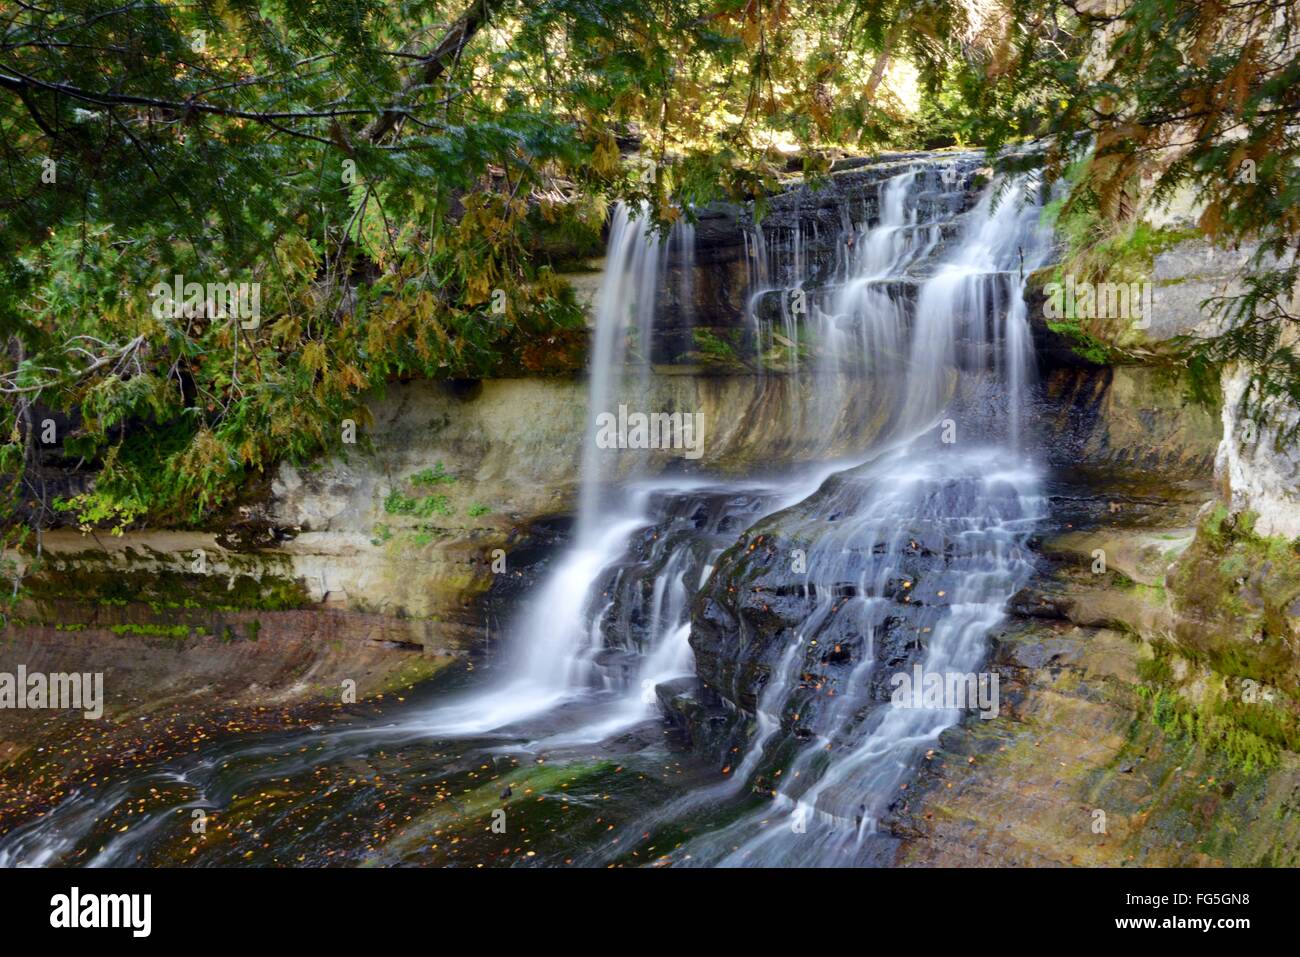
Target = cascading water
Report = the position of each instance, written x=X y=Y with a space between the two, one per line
x=558 y=642
x=907 y=557
x=565 y=640
x=910 y=558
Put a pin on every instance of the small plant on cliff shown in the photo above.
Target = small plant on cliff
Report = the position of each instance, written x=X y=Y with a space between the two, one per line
x=396 y=503
x=434 y=476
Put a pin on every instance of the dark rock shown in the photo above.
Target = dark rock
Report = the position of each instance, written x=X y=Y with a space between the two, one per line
x=1032 y=602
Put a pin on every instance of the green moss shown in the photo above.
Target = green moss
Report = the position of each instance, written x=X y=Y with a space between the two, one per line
x=478 y=509
x=1150 y=594
x=1096 y=250
x=1156 y=670
x=161 y=631
x=714 y=349
x=1232 y=589
x=418 y=668
x=1129 y=256
x=434 y=476
x=1248 y=735
x=709 y=343
x=1212 y=527
x=1234 y=565
x=396 y=503
x=92 y=577
x=1084 y=343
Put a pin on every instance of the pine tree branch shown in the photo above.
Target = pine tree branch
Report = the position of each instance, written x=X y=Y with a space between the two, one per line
x=448 y=51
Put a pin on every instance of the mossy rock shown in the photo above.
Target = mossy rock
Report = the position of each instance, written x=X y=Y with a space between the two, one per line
x=1236 y=596
x=92 y=577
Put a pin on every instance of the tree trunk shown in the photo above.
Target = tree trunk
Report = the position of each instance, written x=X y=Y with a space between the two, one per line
x=457 y=37
x=882 y=61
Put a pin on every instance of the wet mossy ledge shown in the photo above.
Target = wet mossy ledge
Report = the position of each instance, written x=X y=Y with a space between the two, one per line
x=150 y=594
x=167 y=581
x=180 y=623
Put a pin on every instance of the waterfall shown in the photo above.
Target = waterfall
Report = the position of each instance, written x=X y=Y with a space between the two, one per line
x=934 y=319
x=932 y=545
x=912 y=555
x=971 y=312
x=909 y=332
x=560 y=639
x=625 y=302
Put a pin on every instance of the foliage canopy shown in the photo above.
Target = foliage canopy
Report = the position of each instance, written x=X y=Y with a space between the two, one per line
x=401 y=180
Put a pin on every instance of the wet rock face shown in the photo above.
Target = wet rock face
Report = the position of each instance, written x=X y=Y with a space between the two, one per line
x=647 y=594
x=805 y=238
x=754 y=607
x=1128 y=420
x=815 y=613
